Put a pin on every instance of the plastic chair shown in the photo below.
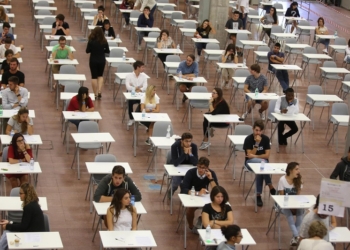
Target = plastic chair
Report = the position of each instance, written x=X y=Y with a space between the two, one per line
x=290 y=51
x=210 y=58
x=173 y=24
x=251 y=21
x=316 y=90
x=51 y=44
x=168 y=70
x=344 y=90
x=134 y=14
x=150 y=46
x=187 y=25
x=46 y=223
x=304 y=32
x=166 y=16
x=43 y=12
x=270 y=117
x=262 y=59
x=46 y=21
x=15 y=216
x=42 y=3
x=240 y=37
x=275 y=29
x=330 y=76
x=123 y=68
x=114 y=53
x=236 y=85
x=338 y=109
x=67 y=69
x=310 y=50
x=199 y=104
x=339 y=41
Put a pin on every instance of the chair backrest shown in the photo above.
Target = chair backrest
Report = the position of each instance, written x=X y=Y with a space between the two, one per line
x=88 y=127
x=253 y=13
x=15 y=216
x=329 y=64
x=241 y=73
x=168 y=158
x=53 y=43
x=116 y=53
x=313 y=89
x=68 y=69
x=291 y=40
x=271 y=109
x=243 y=130
x=176 y=15
x=125 y=68
x=304 y=23
x=278 y=5
x=46 y=223
x=87 y=5
x=340 y=109
x=71 y=87
x=44 y=12
x=310 y=50
x=276 y=29
x=200 y=104
x=168 y=7
x=173 y=58
x=340 y=41
x=213 y=46
x=189 y=25
x=154 y=35
x=48 y=20
x=105 y=158
x=135 y=14
x=199 y=89
x=160 y=129
x=240 y=37
x=163 y=1
x=347 y=77
x=42 y=3
x=4 y=153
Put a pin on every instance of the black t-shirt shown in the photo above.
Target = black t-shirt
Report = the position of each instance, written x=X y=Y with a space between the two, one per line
x=229 y=23
x=213 y=214
x=60 y=32
x=204 y=33
x=8 y=74
x=249 y=143
x=5 y=66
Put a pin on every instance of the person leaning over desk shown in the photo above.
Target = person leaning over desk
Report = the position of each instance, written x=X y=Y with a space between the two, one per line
x=20 y=123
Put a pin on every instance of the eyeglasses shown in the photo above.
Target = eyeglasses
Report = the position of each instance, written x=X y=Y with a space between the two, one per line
x=20 y=140
x=214 y=93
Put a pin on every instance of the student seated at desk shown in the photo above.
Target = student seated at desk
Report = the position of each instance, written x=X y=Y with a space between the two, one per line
x=60 y=27
x=292 y=184
x=228 y=56
x=112 y=182
x=6 y=46
x=126 y=5
x=15 y=96
x=6 y=63
x=189 y=70
x=145 y=21
x=121 y=215
x=6 y=34
x=108 y=29
x=292 y=11
x=217 y=106
x=270 y=18
x=4 y=2
x=164 y=41
x=277 y=57
x=81 y=103
x=18 y=152
x=20 y=123
x=342 y=170
x=217 y=213
x=317 y=231
x=13 y=72
x=32 y=218
x=322 y=30
x=100 y=17
x=233 y=236
x=203 y=31
x=347 y=53
x=3 y=16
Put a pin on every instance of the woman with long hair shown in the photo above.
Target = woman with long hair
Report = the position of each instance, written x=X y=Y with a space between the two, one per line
x=3 y=16
x=217 y=213
x=82 y=103
x=291 y=184
x=100 y=17
x=317 y=231
x=233 y=236
x=203 y=31
x=347 y=53
x=270 y=18
x=108 y=29
x=228 y=56
x=217 y=106
x=164 y=41
x=97 y=46
x=18 y=151
x=20 y=123
x=150 y=103
x=32 y=218
x=322 y=30
x=121 y=215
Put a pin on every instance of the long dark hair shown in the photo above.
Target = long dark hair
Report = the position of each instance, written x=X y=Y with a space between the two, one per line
x=349 y=43
x=217 y=190
x=296 y=181
x=82 y=90
x=161 y=33
x=275 y=19
x=116 y=204
x=231 y=47
x=97 y=35
x=208 y=28
x=318 y=21
x=230 y=231
x=14 y=144
x=17 y=117
x=219 y=98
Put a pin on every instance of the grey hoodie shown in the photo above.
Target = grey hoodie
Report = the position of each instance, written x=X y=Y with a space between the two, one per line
x=224 y=246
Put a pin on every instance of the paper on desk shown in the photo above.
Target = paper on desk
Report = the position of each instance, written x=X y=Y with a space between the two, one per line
x=29 y=138
x=32 y=237
x=216 y=234
x=333 y=235
x=80 y=114
x=143 y=241
x=291 y=110
x=235 y=26
x=24 y=166
x=206 y=198
x=301 y=199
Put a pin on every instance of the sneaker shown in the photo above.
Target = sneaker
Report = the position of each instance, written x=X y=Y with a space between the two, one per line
x=204 y=145
x=259 y=201
x=184 y=98
x=190 y=16
x=139 y=48
x=294 y=241
x=325 y=51
x=273 y=191
x=124 y=26
x=244 y=115
x=130 y=123
x=211 y=132
x=262 y=116
x=194 y=230
x=150 y=149
x=197 y=59
x=128 y=27
x=148 y=142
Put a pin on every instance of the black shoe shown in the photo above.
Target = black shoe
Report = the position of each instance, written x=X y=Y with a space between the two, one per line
x=99 y=96
x=184 y=98
x=148 y=142
x=259 y=202
x=273 y=191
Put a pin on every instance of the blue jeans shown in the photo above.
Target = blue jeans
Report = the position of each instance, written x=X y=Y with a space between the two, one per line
x=244 y=19
x=259 y=177
x=3 y=240
x=176 y=182
x=283 y=78
x=294 y=226
x=200 y=47
x=325 y=42
x=142 y=34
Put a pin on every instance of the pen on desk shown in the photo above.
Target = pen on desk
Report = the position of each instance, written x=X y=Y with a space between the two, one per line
x=120 y=240
x=17 y=236
x=215 y=240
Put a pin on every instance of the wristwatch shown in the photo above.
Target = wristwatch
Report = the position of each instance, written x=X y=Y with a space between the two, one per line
x=197 y=193
x=11 y=222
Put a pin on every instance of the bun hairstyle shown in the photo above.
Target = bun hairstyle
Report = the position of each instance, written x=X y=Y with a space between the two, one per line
x=230 y=231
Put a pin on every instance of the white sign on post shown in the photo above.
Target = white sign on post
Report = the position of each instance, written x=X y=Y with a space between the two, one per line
x=333 y=197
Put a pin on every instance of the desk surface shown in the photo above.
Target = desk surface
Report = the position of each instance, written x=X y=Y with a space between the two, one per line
x=8 y=113
x=294 y=117
x=68 y=96
x=30 y=139
x=19 y=168
x=167 y=51
x=106 y=167
x=237 y=139
x=92 y=137
x=286 y=67
x=127 y=239
x=162 y=142
x=324 y=98
x=232 y=118
x=205 y=40
x=231 y=65
x=151 y=117
x=335 y=70
x=12 y=203
x=198 y=96
x=217 y=235
x=317 y=56
x=263 y=96
x=73 y=115
x=339 y=235
x=341 y=118
x=197 y=201
x=270 y=168
x=198 y=79
x=42 y=240
x=295 y=201
x=180 y=170
x=101 y=207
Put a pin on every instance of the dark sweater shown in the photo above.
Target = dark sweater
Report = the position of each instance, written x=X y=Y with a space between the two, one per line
x=293 y=13
x=144 y=22
x=32 y=220
x=342 y=167
x=111 y=32
x=191 y=179
x=97 y=51
x=178 y=155
x=221 y=108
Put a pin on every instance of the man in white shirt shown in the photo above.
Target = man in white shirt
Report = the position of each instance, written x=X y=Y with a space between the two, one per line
x=8 y=45
x=243 y=8
x=136 y=81
x=287 y=104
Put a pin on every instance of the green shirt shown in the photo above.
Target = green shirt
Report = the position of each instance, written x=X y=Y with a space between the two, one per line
x=61 y=53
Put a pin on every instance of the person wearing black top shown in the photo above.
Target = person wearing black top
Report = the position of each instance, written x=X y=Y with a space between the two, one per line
x=342 y=170
x=201 y=178
x=292 y=11
x=146 y=21
x=60 y=27
x=217 y=106
x=32 y=218
x=183 y=152
x=108 y=29
x=6 y=63
x=257 y=149
x=13 y=71
x=203 y=32
x=97 y=46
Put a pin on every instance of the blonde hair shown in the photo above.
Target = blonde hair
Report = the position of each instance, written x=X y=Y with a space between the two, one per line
x=17 y=117
x=149 y=98
x=3 y=13
x=317 y=228
x=30 y=194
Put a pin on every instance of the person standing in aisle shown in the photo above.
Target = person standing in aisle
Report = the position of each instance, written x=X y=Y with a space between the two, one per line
x=152 y=4
x=97 y=47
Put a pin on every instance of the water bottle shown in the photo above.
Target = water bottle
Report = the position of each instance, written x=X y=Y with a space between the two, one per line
x=12 y=132
x=132 y=200
x=2 y=88
x=244 y=62
x=51 y=58
x=132 y=91
x=124 y=58
x=0 y=109
x=335 y=33
x=117 y=36
x=285 y=200
x=143 y=114
x=256 y=92
x=106 y=33
x=180 y=75
x=168 y=132
x=262 y=165
x=178 y=47
x=193 y=193
x=208 y=232
x=31 y=164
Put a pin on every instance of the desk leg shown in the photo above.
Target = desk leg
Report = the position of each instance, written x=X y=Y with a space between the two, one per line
x=208 y=138
x=91 y=193
x=155 y=163
x=135 y=135
x=335 y=128
x=189 y=116
x=234 y=161
x=78 y=165
x=108 y=147
x=171 y=196
x=279 y=232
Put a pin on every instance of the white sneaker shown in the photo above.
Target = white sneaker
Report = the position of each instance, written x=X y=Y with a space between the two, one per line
x=262 y=116
x=128 y=27
x=124 y=25
x=130 y=123
x=197 y=59
x=190 y=16
x=139 y=48
x=325 y=51
x=204 y=145
x=244 y=115
x=294 y=241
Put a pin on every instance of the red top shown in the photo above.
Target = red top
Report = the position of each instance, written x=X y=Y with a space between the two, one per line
x=74 y=104
x=11 y=154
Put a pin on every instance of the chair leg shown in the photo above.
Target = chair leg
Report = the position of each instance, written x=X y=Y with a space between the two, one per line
x=239 y=184
x=329 y=123
x=99 y=221
x=88 y=188
x=75 y=153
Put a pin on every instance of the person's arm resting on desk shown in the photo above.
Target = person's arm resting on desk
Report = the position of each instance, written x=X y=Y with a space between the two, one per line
x=217 y=224
x=102 y=190
x=133 y=189
x=276 y=60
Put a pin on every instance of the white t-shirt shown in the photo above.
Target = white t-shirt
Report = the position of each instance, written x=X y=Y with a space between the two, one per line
x=245 y=4
x=18 y=126
x=286 y=187
x=124 y=222
x=149 y=105
x=309 y=244
x=3 y=50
